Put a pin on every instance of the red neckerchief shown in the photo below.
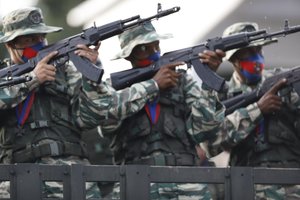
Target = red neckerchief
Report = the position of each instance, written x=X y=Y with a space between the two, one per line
x=22 y=111
x=153 y=111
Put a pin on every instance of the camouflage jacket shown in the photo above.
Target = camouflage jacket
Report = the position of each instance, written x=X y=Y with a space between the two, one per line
x=235 y=126
x=94 y=105
x=205 y=112
x=238 y=125
x=91 y=104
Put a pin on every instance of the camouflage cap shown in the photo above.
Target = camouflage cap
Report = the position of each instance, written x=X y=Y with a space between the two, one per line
x=241 y=27
x=142 y=34
x=24 y=21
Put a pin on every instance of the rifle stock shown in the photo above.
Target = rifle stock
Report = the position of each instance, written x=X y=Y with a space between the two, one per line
x=190 y=57
x=90 y=36
x=240 y=101
x=128 y=77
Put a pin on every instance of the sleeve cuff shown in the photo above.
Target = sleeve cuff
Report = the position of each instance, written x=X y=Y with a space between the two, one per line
x=34 y=83
x=151 y=88
x=254 y=112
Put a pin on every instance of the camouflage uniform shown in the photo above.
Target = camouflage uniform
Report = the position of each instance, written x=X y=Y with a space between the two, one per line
x=269 y=151
x=185 y=111
x=61 y=110
x=276 y=146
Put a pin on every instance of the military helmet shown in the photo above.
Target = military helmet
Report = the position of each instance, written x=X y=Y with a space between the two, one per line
x=143 y=34
x=24 y=21
x=241 y=27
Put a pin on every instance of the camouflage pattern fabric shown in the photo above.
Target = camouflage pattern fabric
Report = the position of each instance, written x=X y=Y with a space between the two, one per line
x=241 y=27
x=55 y=189
x=24 y=21
x=143 y=34
x=241 y=122
x=207 y=112
x=173 y=191
x=235 y=126
x=90 y=104
x=99 y=104
x=277 y=192
x=238 y=125
x=10 y=97
x=104 y=106
x=205 y=116
x=186 y=191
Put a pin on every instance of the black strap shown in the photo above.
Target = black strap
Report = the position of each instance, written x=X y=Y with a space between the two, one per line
x=55 y=148
x=168 y=160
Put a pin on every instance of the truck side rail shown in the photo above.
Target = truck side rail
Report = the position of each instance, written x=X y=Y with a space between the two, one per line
x=25 y=179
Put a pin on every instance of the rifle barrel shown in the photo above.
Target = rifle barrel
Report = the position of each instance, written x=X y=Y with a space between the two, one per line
x=158 y=15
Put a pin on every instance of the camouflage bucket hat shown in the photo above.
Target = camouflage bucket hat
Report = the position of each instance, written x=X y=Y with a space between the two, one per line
x=244 y=27
x=142 y=34
x=24 y=21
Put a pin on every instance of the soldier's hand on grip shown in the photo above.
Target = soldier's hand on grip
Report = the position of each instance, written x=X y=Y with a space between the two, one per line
x=166 y=76
x=270 y=102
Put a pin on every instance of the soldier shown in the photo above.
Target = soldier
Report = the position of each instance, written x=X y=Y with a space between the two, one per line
x=261 y=125
x=37 y=124
x=267 y=146
x=160 y=134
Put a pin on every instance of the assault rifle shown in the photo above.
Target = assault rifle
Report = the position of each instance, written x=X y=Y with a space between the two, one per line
x=190 y=56
x=243 y=100
x=89 y=37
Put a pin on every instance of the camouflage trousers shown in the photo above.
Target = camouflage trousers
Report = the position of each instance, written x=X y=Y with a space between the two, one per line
x=173 y=191
x=277 y=192
x=55 y=189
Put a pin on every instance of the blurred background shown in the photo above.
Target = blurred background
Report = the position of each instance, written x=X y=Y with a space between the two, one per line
x=197 y=21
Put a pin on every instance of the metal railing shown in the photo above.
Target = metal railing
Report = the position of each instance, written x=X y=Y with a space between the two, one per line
x=25 y=179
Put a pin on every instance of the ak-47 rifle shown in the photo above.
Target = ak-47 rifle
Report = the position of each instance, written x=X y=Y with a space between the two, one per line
x=90 y=36
x=293 y=80
x=190 y=56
